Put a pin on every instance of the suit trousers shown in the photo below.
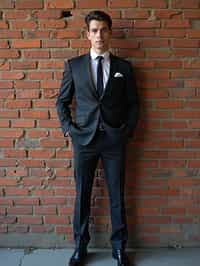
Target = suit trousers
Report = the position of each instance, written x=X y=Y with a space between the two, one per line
x=112 y=153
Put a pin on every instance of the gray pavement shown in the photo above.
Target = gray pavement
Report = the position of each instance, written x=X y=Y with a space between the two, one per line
x=99 y=257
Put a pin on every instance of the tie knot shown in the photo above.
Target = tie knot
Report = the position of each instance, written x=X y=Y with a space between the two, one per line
x=100 y=58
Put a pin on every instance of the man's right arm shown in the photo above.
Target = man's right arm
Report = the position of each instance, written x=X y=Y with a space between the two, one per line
x=65 y=98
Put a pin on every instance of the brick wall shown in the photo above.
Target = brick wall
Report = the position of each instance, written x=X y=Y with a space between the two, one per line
x=37 y=192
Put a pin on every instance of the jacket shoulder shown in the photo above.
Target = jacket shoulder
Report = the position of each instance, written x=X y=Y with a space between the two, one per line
x=122 y=61
x=76 y=60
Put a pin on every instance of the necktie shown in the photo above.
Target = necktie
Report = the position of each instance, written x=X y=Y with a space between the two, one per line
x=100 y=76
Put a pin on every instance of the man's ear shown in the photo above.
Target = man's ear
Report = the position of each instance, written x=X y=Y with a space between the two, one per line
x=88 y=34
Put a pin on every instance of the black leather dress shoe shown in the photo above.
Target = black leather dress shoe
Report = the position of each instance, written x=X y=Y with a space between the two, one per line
x=121 y=257
x=77 y=259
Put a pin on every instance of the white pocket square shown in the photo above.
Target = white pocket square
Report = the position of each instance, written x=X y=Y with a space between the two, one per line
x=118 y=75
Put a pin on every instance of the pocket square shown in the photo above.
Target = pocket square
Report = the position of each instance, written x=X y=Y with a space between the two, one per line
x=118 y=75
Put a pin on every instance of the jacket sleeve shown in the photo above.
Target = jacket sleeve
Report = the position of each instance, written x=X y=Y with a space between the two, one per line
x=132 y=101
x=65 y=99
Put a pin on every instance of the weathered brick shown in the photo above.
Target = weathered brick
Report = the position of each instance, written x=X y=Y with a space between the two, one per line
x=60 y=4
x=153 y=3
x=27 y=4
x=26 y=43
x=122 y=4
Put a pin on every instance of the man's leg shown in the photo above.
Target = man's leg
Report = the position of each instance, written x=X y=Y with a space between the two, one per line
x=85 y=162
x=113 y=157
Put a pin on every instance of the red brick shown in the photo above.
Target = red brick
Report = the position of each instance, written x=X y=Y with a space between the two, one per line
x=41 y=153
x=171 y=33
x=4 y=65
x=55 y=43
x=60 y=4
x=7 y=219
x=18 y=104
x=15 y=133
x=192 y=14
x=6 y=4
x=31 y=163
x=141 y=33
x=122 y=4
x=175 y=23
x=27 y=94
x=49 y=143
x=26 y=201
x=9 y=53
x=66 y=34
x=136 y=14
x=26 y=43
x=192 y=83
x=16 y=191
x=35 y=133
x=185 y=4
x=8 y=182
x=6 y=143
x=19 y=210
x=12 y=75
x=23 y=124
x=36 y=54
x=180 y=43
x=93 y=4
x=154 y=43
x=3 y=25
x=194 y=33
x=46 y=210
x=3 y=44
x=4 y=123
x=35 y=114
x=30 y=220
x=24 y=65
x=16 y=172
x=170 y=104
x=64 y=53
x=27 y=84
x=6 y=84
x=27 y=4
x=127 y=44
x=19 y=25
x=38 y=75
x=48 y=14
x=51 y=65
x=56 y=220
x=11 y=34
x=167 y=13
x=6 y=94
x=15 y=153
x=52 y=24
x=39 y=34
x=168 y=64
x=153 y=3
x=147 y=24
x=19 y=14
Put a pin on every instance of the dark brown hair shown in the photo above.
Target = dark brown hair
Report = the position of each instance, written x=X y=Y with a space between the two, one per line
x=100 y=16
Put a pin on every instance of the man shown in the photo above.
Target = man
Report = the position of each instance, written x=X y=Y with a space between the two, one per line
x=106 y=114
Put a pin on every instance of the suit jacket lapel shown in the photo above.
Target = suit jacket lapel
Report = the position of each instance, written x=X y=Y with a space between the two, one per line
x=89 y=74
x=111 y=74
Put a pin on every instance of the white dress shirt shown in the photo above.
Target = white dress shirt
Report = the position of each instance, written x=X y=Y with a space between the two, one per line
x=105 y=66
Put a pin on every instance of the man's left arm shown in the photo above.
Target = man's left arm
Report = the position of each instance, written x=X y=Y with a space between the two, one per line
x=132 y=101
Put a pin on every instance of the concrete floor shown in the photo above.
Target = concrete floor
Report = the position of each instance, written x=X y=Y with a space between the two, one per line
x=99 y=257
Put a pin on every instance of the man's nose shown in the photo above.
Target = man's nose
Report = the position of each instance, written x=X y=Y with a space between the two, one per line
x=99 y=33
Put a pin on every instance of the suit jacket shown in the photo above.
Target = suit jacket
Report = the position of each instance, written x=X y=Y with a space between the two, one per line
x=118 y=105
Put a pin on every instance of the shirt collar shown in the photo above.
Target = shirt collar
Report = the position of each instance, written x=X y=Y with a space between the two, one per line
x=94 y=55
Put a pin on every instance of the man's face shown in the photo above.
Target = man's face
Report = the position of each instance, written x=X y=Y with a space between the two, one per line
x=99 y=35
